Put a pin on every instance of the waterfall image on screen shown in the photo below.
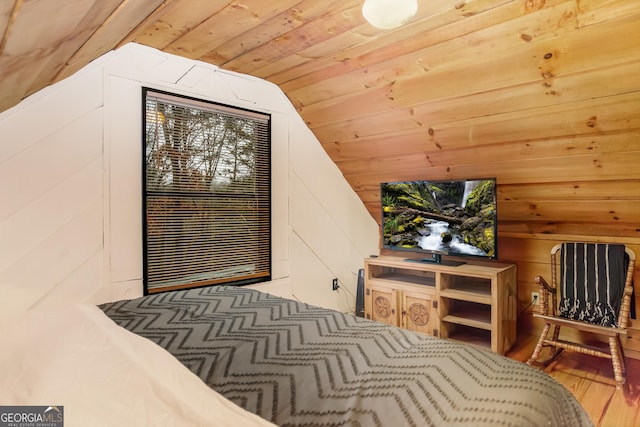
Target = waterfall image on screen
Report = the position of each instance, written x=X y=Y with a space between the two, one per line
x=449 y=217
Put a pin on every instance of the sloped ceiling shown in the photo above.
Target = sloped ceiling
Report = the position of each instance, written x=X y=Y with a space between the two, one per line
x=538 y=93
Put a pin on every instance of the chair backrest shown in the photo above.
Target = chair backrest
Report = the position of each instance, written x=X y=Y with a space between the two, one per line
x=592 y=280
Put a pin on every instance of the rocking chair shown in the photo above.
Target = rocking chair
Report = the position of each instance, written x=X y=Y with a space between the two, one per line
x=592 y=294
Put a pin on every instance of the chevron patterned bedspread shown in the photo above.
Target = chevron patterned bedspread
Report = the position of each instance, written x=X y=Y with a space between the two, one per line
x=299 y=365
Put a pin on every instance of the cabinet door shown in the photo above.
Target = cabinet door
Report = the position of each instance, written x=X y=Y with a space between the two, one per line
x=418 y=312
x=384 y=305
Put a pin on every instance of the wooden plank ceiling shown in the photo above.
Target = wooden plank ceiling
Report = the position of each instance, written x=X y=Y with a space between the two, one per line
x=542 y=94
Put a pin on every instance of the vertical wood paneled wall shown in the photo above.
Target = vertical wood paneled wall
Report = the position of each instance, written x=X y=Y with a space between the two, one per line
x=51 y=197
x=70 y=193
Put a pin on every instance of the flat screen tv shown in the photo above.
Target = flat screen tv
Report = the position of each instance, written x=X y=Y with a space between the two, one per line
x=453 y=217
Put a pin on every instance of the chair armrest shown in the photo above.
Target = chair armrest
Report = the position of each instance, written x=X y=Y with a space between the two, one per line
x=544 y=286
x=545 y=291
x=625 y=307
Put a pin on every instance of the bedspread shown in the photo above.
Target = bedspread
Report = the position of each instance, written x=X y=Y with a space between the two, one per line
x=72 y=355
x=295 y=364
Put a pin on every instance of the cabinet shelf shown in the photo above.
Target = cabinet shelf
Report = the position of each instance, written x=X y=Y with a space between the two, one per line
x=470 y=303
x=469 y=314
x=466 y=295
x=475 y=285
x=408 y=278
x=478 y=337
x=467 y=321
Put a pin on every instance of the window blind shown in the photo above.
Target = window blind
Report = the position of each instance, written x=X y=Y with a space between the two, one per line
x=207 y=207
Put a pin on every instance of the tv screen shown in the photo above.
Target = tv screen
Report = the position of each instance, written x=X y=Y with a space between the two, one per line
x=455 y=217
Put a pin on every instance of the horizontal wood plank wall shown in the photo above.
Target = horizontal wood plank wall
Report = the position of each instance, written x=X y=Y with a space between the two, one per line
x=544 y=95
x=551 y=111
x=531 y=253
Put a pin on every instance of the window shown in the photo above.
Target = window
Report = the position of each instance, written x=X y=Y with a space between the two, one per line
x=206 y=201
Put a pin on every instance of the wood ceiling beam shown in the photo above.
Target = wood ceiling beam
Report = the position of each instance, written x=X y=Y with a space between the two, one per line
x=17 y=5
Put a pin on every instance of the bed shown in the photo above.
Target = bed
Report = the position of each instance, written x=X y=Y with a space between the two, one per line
x=294 y=364
x=72 y=355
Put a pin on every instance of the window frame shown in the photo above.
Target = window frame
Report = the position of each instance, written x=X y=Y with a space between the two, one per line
x=225 y=109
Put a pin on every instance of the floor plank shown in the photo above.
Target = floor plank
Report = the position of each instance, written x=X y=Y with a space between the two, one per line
x=590 y=380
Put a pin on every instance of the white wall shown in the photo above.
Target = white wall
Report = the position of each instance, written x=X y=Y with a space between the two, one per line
x=70 y=187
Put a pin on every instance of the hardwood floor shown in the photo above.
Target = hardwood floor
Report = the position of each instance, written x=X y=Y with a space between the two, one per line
x=590 y=379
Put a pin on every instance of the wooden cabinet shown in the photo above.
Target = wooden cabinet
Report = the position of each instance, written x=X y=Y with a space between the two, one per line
x=474 y=303
x=384 y=304
x=418 y=311
x=406 y=305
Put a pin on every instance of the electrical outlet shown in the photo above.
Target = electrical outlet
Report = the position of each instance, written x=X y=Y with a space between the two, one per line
x=334 y=284
x=535 y=298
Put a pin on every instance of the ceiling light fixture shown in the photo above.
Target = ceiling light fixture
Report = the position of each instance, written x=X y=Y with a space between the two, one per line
x=388 y=14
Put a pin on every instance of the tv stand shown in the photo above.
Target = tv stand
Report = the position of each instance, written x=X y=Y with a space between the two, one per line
x=475 y=302
x=436 y=259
